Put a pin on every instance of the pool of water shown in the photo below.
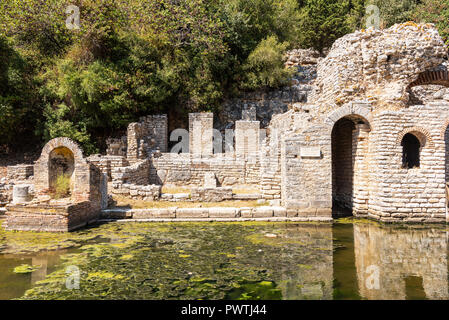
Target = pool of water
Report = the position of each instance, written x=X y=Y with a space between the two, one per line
x=349 y=259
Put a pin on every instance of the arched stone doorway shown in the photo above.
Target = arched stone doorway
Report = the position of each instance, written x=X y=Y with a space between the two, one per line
x=350 y=166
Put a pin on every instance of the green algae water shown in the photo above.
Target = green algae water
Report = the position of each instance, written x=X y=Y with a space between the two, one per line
x=349 y=259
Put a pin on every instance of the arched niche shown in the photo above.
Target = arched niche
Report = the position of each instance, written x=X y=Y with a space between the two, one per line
x=63 y=156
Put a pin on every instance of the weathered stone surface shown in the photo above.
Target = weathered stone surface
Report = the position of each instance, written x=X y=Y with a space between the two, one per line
x=223 y=212
x=192 y=213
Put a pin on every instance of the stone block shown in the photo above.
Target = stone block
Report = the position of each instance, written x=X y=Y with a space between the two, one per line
x=263 y=212
x=192 y=213
x=223 y=212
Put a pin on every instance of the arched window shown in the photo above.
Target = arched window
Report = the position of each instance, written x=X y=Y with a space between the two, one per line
x=410 y=151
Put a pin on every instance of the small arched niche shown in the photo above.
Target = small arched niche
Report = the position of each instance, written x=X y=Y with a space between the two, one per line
x=412 y=144
x=61 y=166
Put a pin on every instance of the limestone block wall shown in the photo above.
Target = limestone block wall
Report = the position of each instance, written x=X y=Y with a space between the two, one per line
x=410 y=194
x=150 y=133
x=141 y=192
x=201 y=133
x=365 y=169
x=183 y=169
x=138 y=173
x=247 y=136
x=361 y=160
x=107 y=163
x=306 y=172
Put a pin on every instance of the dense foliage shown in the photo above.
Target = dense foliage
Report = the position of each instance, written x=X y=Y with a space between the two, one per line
x=130 y=58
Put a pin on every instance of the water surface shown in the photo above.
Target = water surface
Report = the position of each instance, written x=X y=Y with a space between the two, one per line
x=350 y=259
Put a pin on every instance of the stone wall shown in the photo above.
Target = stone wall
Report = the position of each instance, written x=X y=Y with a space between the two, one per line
x=140 y=192
x=201 y=133
x=146 y=136
x=378 y=65
x=410 y=194
x=50 y=218
x=247 y=136
x=182 y=169
x=138 y=173
x=108 y=163
x=19 y=172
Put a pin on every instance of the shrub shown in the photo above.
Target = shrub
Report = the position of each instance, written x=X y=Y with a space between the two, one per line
x=265 y=65
x=62 y=186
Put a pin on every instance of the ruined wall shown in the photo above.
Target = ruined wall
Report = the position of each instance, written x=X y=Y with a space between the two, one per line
x=182 y=169
x=85 y=179
x=108 y=163
x=377 y=65
x=147 y=135
x=19 y=172
x=200 y=134
x=138 y=173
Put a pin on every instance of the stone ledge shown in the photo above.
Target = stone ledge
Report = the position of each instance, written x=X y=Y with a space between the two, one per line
x=273 y=219
x=205 y=213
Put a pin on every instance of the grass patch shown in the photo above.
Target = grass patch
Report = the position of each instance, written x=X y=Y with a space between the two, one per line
x=62 y=187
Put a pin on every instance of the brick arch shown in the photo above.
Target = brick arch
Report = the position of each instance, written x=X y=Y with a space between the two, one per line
x=81 y=175
x=438 y=77
x=62 y=142
x=443 y=129
x=356 y=110
x=423 y=135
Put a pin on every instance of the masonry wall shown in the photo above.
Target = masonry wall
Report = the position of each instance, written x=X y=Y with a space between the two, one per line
x=201 y=133
x=19 y=172
x=307 y=181
x=182 y=169
x=147 y=135
x=416 y=194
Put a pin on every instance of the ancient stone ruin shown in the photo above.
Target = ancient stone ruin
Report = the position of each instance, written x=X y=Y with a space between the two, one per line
x=362 y=131
x=60 y=157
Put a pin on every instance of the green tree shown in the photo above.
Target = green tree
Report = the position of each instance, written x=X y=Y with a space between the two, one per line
x=265 y=65
x=19 y=110
x=323 y=21
x=394 y=11
x=437 y=12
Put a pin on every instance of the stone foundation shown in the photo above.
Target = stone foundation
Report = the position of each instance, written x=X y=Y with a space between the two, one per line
x=211 y=214
x=50 y=218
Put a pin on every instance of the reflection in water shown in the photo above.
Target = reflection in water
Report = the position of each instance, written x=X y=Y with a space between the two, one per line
x=272 y=260
x=13 y=285
x=401 y=263
x=313 y=276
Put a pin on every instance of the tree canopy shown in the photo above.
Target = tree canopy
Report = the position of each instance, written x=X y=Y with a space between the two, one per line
x=131 y=58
